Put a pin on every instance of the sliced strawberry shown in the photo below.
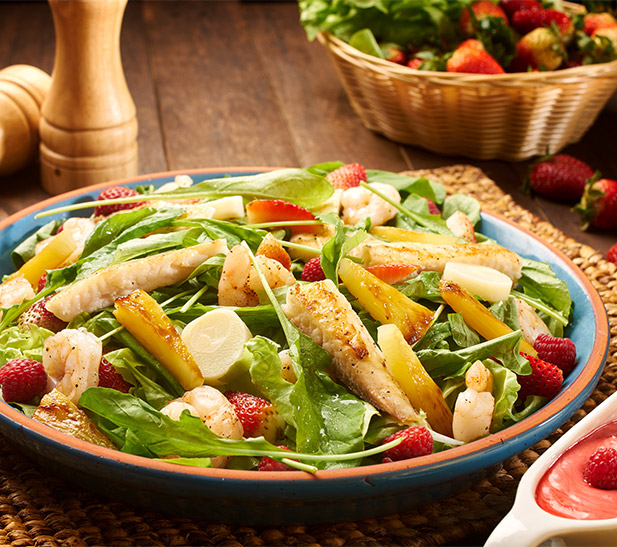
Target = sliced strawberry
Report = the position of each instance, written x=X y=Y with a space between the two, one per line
x=115 y=192
x=270 y=247
x=268 y=464
x=394 y=273
x=264 y=211
x=313 y=270
x=258 y=416
x=39 y=315
x=111 y=378
x=347 y=176
x=545 y=379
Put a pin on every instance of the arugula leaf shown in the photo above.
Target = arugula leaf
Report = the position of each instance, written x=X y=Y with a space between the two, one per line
x=539 y=281
x=338 y=246
x=233 y=234
x=135 y=371
x=424 y=285
x=463 y=336
x=464 y=203
x=157 y=243
x=506 y=349
x=298 y=186
x=25 y=250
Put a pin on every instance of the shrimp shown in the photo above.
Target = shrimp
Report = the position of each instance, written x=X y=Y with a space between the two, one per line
x=71 y=359
x=359 y=203
x=14 y=291
x=473 y=411
x=287 y=371
x=213 y=409
x=460 y=225
x=530 y=322
x=240 y=283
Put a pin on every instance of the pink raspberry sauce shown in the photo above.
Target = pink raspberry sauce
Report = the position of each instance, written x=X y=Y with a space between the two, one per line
x=562 y=490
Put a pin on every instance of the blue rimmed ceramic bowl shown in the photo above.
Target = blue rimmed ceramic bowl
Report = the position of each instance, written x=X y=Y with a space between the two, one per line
x=251 y=497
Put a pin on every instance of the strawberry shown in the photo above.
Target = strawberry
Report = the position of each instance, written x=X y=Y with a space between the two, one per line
x=481 y=9
x=22 y=380
x=41 y=283
x=415 y=63
x=545 y=379
x=313 y=270
x=115 y=192
x=601 y=469
x=510 y=7
x=470 y=57
x=611 y=254
x=347 y=176
x=268 y=464
x=394 y=54
x=606 y=37
x=539 y=49
x=39 y=315
x=394 y=273
x=432 y=207
x=270 y=247
x=111 y=378
x=557 y=351
x=264 y=211
x=594 y=21
x=258 y=416
x=524 y=21
x=598 y=206
x=417 y=441
x=561 y=177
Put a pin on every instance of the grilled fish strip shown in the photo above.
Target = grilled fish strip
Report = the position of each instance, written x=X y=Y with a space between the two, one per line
x=435 y=257
x=320 y=311
x=101 y=288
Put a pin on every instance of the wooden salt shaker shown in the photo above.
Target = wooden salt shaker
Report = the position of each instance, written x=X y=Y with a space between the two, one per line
x=88 y=124
x=22 y=91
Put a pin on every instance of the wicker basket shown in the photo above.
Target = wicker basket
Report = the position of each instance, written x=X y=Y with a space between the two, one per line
x=506 y=116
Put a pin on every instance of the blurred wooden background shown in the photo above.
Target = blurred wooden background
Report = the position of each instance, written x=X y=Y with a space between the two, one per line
x=231 y=83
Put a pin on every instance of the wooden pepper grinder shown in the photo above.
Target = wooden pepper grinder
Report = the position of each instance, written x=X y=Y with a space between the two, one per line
x=88 y=124
x=22 y=91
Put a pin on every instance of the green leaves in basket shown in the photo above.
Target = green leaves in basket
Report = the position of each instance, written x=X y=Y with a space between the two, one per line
x=364 y=41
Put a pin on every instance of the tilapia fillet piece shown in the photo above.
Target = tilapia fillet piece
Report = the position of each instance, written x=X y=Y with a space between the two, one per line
x=435 y=257
x=320 y=311
x=101 y=288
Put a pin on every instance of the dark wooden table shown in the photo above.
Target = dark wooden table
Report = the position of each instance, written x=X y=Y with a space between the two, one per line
x=227 y=83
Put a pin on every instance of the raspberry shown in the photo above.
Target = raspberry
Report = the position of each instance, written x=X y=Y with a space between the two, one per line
x=558 y=351
x=268 y=464
x=601 y=469
x=22 y=380
x=111 y=378
x=115 y=192
x=545 y=379
x=313 y=271
x=611 y=254
x=417 y=441
x=347 y=176
x=39 y=315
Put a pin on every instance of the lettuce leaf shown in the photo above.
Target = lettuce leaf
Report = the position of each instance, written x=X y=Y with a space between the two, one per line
x=18 y=343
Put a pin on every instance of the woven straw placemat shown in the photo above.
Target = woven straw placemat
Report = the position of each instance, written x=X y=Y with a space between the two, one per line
x=40 y=510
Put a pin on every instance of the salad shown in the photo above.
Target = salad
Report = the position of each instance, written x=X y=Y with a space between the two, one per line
x=318 y=318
